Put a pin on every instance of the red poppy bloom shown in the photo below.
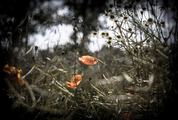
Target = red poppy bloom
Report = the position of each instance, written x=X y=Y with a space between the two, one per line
x=14 y=73
x=75 y=81
x=88 y=60
x=71 y=85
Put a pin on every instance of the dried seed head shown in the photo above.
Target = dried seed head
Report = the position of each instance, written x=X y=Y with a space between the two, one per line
x=109 y=10
x=107 y=34
x=112 y=16
x=109 y=38
x=109 y=42
x=118 y=36
x=102 y=33
x=146 y=25
x=125 y=17
x=141 y=12
x=36 y=48
x=94 y=33
x=162 y=23
x=150 y=20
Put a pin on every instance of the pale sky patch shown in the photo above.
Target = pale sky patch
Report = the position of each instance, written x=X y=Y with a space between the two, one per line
x=56 y=35
x=64 y=11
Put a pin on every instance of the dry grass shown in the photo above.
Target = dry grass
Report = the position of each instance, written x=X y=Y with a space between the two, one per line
x=139 y=82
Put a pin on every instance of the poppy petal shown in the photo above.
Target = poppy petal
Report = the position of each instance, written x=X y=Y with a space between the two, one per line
x=88 y=60
x=77 y=78
x=13 y=71
x=71 y=85
x=75 y=81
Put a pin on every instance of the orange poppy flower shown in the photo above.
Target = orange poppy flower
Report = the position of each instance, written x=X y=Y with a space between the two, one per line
x=9 y=69
x=75 y=81
x=20 y=81
x=71 y=85
x=16 y=73
x=88 y=60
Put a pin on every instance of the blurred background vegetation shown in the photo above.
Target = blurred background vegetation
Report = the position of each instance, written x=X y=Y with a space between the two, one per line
x=136 y=41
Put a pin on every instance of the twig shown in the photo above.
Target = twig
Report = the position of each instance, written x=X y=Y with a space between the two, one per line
x=101 y=61
x=162 y=54
x=23 y=77
x=43 y=72
x=31 y=93
x=58 y=85
x=39 y=90
x=11 y=87
x=29 y=50
x=99 y=92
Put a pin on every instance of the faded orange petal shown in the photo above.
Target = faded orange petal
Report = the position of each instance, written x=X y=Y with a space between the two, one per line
x=78 y=83
x=77 y=78
x=71 y=85
x=75 y=81
x=13 y=71
x=6 y=69
x=88 y=60
x=20 y=81
x=9 y=69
